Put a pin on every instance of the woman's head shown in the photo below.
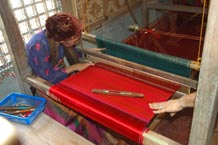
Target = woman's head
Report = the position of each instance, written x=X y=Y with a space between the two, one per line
x=63 y=28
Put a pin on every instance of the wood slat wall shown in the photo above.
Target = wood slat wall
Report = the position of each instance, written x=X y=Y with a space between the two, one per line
x=94 y=12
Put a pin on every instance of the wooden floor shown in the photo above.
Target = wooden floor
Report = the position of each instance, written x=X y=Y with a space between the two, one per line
x=178 y=127
x=215 y=136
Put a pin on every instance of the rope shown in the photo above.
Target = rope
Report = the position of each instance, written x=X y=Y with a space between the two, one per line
x=88 y=28
x=178 y=35
x=85 y=6
x=83 y=17
x=201 y=32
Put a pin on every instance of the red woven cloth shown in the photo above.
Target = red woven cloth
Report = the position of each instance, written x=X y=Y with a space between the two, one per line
x=126 y=115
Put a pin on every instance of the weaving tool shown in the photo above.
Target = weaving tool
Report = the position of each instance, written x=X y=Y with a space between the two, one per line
x=117 y=92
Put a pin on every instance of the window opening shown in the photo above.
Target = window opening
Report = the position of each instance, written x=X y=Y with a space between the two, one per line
x=30 y=16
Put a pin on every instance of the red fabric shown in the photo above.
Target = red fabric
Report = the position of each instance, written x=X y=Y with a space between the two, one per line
x=184 y=44
x=125 y=115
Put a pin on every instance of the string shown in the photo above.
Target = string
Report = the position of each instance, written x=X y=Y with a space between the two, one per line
x=83 y=16
x=88 y=27
x=201 y=31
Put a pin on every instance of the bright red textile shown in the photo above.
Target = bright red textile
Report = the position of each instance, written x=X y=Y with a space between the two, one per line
x=125 y=115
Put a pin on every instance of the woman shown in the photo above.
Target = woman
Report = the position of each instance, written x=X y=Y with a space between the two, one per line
x=46 y=51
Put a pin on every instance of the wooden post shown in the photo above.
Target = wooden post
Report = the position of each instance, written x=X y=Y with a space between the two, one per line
x=17 y=47
x=69 y=7
x=206 y=104
x=131 y=12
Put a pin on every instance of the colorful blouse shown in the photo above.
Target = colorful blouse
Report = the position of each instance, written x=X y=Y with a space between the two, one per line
x=38 y=52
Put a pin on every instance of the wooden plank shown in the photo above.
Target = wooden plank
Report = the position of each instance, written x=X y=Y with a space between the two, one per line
x=173 y=7
x=153 y=138
x=143 y=13
x=215 y=135
x=206 y=104
x=44 y=130
x=131 y=12
x=69 y=7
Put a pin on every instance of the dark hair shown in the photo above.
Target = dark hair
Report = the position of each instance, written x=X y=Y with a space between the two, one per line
x=62 y=26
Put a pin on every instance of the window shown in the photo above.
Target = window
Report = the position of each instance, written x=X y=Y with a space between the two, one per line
x=5 y=58
x=31 y=15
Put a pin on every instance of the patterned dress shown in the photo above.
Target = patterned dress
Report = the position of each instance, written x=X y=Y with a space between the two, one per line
x=38 y=52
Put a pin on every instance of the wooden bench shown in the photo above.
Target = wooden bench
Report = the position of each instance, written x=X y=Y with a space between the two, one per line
x=44 y=130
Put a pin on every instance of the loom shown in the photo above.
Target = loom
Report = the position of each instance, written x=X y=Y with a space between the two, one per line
x=159 y=74
x=129 y=117
x=169 y=63
x=181 y=58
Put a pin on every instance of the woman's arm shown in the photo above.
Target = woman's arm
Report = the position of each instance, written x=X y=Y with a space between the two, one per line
x=38 y=59
x=77 y=67
x=174 y=105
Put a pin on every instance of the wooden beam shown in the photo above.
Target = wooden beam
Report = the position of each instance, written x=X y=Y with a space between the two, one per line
x=16 y=47
x=153 y=138
x=131 y=12
x=69 y=6
x=143 y=12
x=206 y=104
x=173 y=7
x=45 y=130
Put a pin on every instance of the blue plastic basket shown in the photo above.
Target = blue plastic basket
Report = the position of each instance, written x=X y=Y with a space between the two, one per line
x=16 y=99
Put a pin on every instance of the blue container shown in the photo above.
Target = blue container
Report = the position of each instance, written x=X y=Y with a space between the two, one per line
x=16 y=99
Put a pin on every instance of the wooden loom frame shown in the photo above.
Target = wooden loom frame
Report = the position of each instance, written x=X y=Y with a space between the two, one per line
x=194 y=65
x=150 y=137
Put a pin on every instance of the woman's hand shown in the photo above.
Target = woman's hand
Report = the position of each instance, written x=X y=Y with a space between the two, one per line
x=96 y=49
x=175 y=105
x=170 y=106
x=78 y=67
